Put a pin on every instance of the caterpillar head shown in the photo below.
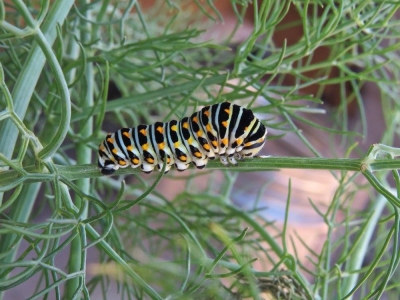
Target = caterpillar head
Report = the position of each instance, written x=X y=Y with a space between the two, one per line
x=255 y=140
x=105 y=161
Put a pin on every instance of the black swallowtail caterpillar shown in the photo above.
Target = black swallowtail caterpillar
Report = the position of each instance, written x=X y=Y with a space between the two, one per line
x=223 y=130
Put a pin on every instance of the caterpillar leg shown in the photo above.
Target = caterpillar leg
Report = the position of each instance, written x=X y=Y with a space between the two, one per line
x=160 y=166
x=227 y=160
x=232 y=160
x=181 y=166
x=238 y=156
x=198 y=165
x=146 y=168
x=224 y=160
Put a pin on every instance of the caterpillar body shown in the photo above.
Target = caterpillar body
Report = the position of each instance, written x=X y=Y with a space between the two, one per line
x=223 y=130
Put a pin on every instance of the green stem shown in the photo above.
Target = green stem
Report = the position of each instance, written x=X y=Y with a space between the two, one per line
x=84 y=156
x=257 y=164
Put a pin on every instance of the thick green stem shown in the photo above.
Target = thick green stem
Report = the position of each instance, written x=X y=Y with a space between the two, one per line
x=84 y=156
x=256 y=165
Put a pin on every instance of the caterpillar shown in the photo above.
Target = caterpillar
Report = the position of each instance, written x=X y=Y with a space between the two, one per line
x=223 y=130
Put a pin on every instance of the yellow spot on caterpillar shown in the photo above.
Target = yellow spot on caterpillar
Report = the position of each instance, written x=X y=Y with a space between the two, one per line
x=247 y=127
x=174 y=128
x=129 y=148
x=215 y=143
x=227 y=110
x=127 y=134
x=239 y=141
x=145 y=147
x=206 y=146
x=225 y=141
x=143 y=131
x=160 y=129
x=135 y=161
x=207 y=113
x=185 y=125
x=199 y=133
x=161 y=146
x=208 y=127
x=190 y=140
x=177 y=144
x=110 y=140
x=183 y=158
x=197 y=154
x=150 y=160
x=224 y=123
x=114 y=151
x=122 y=162
x=248 y=144
x=168 y=160
x=102 y=148
x=195 y=119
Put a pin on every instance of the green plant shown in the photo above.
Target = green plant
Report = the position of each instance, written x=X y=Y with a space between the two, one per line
x=57 y=61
